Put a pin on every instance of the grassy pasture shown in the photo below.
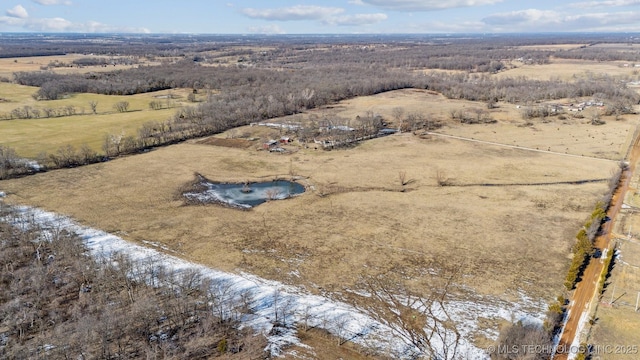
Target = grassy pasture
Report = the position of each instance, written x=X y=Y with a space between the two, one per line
x=8 y=66
x=315 y=238
x=551 y=47
x=32 y=136
x=569 y=70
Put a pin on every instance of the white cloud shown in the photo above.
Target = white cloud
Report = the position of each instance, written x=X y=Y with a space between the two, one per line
x=356 y=2
x=58 y=24
x=604 y=3
x=298 y=12
x=49 y=24
x=540 y=21
x=52 y=2
x=522 y=17
x=325 y=15
x=355 y=20
x=11 y=21
x=268 y=29
x=427 y=5
x=18 y=12
x=447 y=27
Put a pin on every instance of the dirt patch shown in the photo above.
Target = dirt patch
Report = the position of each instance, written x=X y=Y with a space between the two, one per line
x=231 y=143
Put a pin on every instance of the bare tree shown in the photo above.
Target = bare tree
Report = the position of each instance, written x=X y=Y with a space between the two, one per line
x=306 y=316
x=397 y=113
x=70 y=110
x=121 y=106
x=86 y=154
x=421 y=320
x=272 y=194
x=402 y=176
x=341 y=323
x=94 y=106
x=112 y=144
x=155 y=105
x=522 y=341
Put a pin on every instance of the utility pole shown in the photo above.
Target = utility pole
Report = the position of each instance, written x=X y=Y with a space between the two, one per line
x=612 y=292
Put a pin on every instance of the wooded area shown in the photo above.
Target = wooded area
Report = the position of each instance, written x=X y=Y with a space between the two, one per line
x=59 y=303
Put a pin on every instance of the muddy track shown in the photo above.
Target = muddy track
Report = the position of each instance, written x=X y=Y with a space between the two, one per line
x=571 y=182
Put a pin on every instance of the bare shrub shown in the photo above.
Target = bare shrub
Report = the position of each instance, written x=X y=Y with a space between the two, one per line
x=121 y=106
x=442 y=179
x=523 y=341
x=272 y=194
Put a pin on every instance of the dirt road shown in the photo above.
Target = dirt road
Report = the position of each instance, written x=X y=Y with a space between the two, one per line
x=585 y=291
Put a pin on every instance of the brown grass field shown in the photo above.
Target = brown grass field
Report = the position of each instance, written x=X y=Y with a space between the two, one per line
x=356 y=218
x=569 y=70
x=313 y=239
x=8 y=66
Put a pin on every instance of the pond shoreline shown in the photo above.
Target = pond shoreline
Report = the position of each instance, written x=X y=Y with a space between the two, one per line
x=244 y=196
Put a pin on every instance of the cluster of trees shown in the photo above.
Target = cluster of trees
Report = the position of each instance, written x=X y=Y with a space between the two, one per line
x=93 y=61
x=68 y=156
x=57 y=302
x=11 y=164
x=521 y=90
x=472 y=116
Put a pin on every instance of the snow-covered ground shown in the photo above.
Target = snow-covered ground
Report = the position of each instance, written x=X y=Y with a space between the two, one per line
x=334 y=316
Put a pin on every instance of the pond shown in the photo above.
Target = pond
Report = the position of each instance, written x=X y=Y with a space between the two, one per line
x=246 y=195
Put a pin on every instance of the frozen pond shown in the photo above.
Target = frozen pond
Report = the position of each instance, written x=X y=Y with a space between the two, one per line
x=245 y=195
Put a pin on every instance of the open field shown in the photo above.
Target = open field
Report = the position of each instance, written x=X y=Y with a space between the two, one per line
x=551 y=47
x=30 y=137
x=9 y=66
x=569 y=70
x=509 y=241
x=572 y=136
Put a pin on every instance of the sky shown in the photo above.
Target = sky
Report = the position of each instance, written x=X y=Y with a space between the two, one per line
x=319 y=16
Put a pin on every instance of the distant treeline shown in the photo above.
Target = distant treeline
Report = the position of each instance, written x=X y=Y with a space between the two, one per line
x=472 y=57
x=14 y=53
x=601 y=54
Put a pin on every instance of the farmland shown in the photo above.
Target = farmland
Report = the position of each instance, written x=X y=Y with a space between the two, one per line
x=494 y=205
